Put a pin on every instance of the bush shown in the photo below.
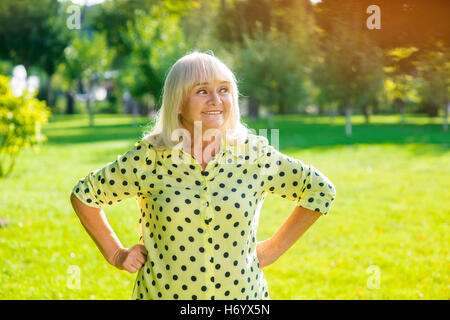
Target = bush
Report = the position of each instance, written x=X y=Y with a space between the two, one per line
x=21 y=119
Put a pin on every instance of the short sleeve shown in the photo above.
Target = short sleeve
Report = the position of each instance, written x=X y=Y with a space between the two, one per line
x=293 y=180
x=117 y=180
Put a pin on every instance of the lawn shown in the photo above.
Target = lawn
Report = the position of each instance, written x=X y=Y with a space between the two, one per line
x=390 y=215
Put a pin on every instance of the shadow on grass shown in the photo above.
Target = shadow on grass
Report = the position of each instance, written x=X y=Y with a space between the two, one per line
x=99 y=133
x=292 y=134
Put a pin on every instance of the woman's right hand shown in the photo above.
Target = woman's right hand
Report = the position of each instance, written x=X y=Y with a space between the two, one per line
x=130 y=259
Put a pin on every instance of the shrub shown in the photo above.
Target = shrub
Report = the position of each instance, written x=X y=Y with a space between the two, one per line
x=21 y=119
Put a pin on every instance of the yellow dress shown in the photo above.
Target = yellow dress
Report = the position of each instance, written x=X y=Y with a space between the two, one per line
x=199 y=227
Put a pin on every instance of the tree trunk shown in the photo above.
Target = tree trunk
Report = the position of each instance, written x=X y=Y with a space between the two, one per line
x=403 y=113
x=91 y=113
x=348 y=121
x=446 y=111
x=281 y=107
x=135 y=111
x=89 y=105
x=332 y=113
x=253 y=108
x=70 y=102
x=402 y=106
x=49 y=96
x=432 y=109
x=341 y=109
x=376 y=107
x=366 y=112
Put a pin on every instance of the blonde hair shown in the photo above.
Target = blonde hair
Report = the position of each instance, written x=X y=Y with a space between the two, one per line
x=195 y=67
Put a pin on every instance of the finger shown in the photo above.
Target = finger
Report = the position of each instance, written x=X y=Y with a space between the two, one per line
x=128 y=267
x=138 y=265
x=143 y=250
x=143 y=259
x=140 y=260
x=135 y=265
x=132 y=270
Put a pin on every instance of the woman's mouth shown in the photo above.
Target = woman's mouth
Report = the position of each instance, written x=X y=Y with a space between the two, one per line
x=212 y=113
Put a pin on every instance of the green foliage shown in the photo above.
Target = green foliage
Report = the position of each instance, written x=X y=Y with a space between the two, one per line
x=349 y=70
x=239 y=19
x=400 y=86
x=156 y=41
x=6 y=67
x=268 y=74
x=21 y=119
x=33 y=33
x=88 y=56
x=193 y=21
x=114 y=17
x=434 y=69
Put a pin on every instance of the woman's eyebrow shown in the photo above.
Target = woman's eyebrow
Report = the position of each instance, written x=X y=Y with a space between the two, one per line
x=205 y=83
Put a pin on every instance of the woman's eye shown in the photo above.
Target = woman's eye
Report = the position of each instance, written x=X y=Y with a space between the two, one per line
x=224 y=89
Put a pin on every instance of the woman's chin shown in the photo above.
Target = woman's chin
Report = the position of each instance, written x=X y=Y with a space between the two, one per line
x=218 y=126
x=213 y=123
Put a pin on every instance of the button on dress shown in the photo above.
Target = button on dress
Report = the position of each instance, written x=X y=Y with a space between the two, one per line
x=199 y=226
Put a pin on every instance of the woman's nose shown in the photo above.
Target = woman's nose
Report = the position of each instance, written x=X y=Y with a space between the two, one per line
x=214 y=98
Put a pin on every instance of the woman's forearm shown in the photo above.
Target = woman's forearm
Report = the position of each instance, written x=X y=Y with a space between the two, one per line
x=98 y=228
x=292 y=229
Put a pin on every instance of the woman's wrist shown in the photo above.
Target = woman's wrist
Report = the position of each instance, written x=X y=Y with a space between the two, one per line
x=117 y=258
x=268 y=252
x=274 y=247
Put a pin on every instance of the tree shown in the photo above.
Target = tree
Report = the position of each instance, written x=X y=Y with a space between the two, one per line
x=397 y=16
x=244 y=24
x=89 y=58
x=348 y=70
x=147 y=38
x=270 y=75
x=370 y=79
x=400 y=83
x=156 y=41
x=21 y=119
x=434 y=69
x=115 y=18
x=240 y=19
x=33 y=33
x=193 y=21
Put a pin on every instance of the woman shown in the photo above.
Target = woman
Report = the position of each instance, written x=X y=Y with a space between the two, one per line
x=200 y=198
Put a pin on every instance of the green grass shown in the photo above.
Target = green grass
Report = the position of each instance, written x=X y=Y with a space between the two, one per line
x=391 y=211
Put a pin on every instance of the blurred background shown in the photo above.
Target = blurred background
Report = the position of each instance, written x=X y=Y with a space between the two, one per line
x=360 y=89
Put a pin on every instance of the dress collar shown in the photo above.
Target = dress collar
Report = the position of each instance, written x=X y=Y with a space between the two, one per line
x=228 y=148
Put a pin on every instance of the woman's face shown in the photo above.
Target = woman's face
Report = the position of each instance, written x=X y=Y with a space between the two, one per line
x=209 y=103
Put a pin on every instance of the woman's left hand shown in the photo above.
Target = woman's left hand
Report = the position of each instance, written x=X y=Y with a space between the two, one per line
x=266 y=252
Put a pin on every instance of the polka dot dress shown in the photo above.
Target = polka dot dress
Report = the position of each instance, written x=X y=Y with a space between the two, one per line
x=199 y=227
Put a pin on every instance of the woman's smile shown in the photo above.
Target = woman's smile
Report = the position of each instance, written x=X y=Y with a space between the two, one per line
x=213 y=113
